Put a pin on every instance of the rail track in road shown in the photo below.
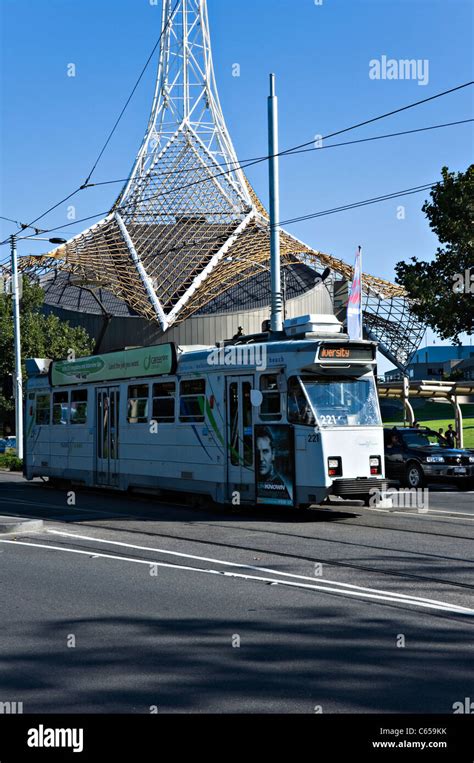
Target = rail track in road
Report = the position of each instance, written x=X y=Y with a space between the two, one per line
x=267 y=533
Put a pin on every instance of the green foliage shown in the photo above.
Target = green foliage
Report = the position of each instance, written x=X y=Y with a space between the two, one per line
x=11 y=461
x=42 y=336
x=440 y=289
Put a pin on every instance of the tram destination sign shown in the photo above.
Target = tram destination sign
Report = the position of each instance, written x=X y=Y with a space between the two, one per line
x=126 y=364
x=347 y=352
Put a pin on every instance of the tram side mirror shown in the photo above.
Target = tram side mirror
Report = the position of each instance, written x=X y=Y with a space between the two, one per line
x=256 y=398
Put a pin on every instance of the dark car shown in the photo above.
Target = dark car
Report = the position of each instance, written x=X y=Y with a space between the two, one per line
x=416 y=457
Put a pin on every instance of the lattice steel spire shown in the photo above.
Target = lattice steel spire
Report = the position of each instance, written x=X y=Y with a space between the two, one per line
x=186 y=104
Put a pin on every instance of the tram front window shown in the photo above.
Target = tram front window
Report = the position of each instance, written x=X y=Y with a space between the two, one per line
x=343 y=401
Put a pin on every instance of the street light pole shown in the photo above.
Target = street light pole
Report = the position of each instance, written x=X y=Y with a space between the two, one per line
x=17 y=348
x=277 y=297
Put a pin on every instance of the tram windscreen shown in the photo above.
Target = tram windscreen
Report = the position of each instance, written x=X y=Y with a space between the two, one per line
x=343 y=401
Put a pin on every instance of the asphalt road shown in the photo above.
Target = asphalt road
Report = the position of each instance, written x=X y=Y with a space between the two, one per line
x=121 y=604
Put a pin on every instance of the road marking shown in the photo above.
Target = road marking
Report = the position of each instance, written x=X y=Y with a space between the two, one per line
x=461 y=513
x=429 y=513
x=392 y=598
x=345 y=587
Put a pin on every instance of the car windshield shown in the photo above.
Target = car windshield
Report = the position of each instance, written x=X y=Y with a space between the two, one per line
x=416 y=439
x=343 y=401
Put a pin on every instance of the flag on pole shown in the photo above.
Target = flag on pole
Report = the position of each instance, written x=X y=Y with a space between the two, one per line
x=354 y=306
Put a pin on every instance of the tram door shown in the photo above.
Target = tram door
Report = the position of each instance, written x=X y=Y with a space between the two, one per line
x=240 y=441
x=107 y=436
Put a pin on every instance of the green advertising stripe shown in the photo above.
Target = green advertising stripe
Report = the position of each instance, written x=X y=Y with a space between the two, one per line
x=127 y=364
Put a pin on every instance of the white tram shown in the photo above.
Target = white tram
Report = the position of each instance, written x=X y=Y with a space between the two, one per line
x=254 y=421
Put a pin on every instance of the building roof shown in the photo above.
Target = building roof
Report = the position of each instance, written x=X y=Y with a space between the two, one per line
x=442 y=353
x=69 y=291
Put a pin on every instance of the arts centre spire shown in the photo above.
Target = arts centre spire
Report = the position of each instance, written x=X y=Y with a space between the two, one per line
x=187 y=226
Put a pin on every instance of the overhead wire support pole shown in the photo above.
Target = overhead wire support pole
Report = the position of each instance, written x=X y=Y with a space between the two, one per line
x=17 y=350
x=277 y=297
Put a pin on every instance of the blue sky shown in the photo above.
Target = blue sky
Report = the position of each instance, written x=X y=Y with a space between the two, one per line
x=53 y=126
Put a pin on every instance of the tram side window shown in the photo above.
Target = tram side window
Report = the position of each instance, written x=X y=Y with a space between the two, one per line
x=60 y=408
x=164 y=402
x=192 y=401
x=138 y=404
x=299 y=411
x=43 y=412
x=270 y=410
x=79 y=406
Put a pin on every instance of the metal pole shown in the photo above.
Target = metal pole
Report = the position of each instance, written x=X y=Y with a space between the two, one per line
x=458 y=418
x=185 y=61
x=407 y=406
x=17 y=346
x=277 y=297
x=361 y=296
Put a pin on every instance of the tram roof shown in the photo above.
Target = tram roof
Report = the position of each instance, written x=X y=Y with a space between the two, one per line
x=168 y=359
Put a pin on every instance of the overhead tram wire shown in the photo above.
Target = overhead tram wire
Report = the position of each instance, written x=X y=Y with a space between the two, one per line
x=242 y=164
x=358 y=204
x=296 y=149
x=287 y=152
x=383 y=116
x=109 y=138
x=9 y=220
x=171 y=17
x=336 y=210
x=355 y=205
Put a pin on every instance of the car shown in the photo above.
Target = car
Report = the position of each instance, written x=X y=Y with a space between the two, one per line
x=3 y=445
x=415 y=457
x=10 y=444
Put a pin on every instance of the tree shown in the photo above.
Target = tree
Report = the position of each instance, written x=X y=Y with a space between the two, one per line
x=42 y=336
x=442 y=290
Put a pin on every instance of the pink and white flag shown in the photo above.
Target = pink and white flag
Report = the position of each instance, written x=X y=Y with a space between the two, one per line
x=354 y=306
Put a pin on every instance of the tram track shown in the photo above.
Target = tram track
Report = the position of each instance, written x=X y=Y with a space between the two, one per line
x=282 y=516
x=146 y=517
x=302 y=557
x=432 y=607
x=283 y=554
x=287 y=555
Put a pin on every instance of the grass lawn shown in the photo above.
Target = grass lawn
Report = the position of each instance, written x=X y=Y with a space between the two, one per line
x=433 y=415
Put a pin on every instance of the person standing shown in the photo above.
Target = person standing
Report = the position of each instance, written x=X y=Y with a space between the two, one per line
x=451 y=436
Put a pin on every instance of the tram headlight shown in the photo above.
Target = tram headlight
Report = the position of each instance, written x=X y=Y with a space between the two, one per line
x=375 y=465
x=335 y=467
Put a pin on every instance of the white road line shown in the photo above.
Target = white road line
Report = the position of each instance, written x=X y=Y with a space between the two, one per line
x=345 y=586
x=394 y=599
x=430 y=513
x=444 y=511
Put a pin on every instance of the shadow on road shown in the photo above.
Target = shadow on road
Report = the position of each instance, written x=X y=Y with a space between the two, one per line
x=39 y=500
x=310 y=657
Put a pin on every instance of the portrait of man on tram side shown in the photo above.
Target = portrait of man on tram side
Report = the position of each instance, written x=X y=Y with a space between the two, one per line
x=275 y=465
